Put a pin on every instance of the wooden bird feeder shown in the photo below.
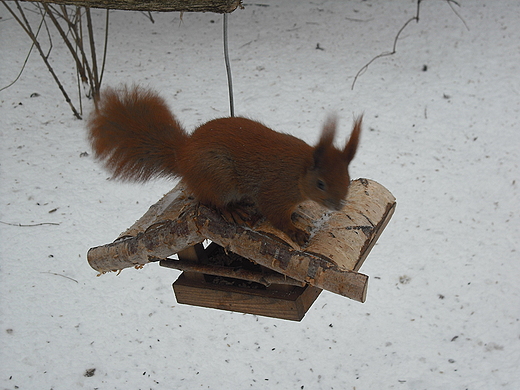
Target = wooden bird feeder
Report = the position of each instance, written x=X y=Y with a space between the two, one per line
x=258 y=269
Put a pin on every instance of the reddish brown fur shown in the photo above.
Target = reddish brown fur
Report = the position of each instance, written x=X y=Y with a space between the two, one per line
x=132 y=132
x=224 y=162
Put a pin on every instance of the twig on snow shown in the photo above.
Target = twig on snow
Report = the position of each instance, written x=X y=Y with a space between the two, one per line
x=394 y=47
x=30 y=225
x=63 y=276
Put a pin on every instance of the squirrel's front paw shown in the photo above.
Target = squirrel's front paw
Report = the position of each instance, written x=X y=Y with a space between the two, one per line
x=299 y=236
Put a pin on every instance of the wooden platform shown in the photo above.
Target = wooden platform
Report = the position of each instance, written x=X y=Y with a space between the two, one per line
x=288 y=277
x=279 y=301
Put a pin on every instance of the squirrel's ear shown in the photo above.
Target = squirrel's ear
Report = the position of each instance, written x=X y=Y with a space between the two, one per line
x=350 y=148
x=327 y=138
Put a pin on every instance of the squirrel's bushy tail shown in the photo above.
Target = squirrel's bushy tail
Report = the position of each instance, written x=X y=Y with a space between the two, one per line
x=135 y=134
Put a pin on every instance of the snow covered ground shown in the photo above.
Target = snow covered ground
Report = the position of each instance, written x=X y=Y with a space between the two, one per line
x=442 y=132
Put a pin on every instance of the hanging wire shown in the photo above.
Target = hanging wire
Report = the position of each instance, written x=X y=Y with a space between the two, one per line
x=228 y=66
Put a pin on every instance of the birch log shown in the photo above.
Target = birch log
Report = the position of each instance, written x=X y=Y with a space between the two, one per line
x=218 y=6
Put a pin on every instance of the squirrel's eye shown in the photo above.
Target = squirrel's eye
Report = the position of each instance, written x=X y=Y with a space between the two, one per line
x=320 y=184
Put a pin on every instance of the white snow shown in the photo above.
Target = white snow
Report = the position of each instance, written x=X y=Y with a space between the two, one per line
x=443 y=307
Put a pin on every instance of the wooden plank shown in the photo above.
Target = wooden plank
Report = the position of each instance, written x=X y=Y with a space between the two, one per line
x=266 y=279
x=218 y=6
x=289 y=305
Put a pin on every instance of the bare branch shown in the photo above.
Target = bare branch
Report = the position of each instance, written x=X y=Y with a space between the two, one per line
x=104 y=53
x=68 y=23
x=66 y=40
x=95 y=75
x=266 y=278
x=450 y=3
x=25 y=61
x=394 y=47
x=27 y=28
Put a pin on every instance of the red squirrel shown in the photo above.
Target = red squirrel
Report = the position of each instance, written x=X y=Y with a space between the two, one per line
x=224 y=162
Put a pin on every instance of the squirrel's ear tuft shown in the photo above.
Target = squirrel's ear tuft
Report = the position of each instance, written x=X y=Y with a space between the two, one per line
x=350 y=148
x=327 y=138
